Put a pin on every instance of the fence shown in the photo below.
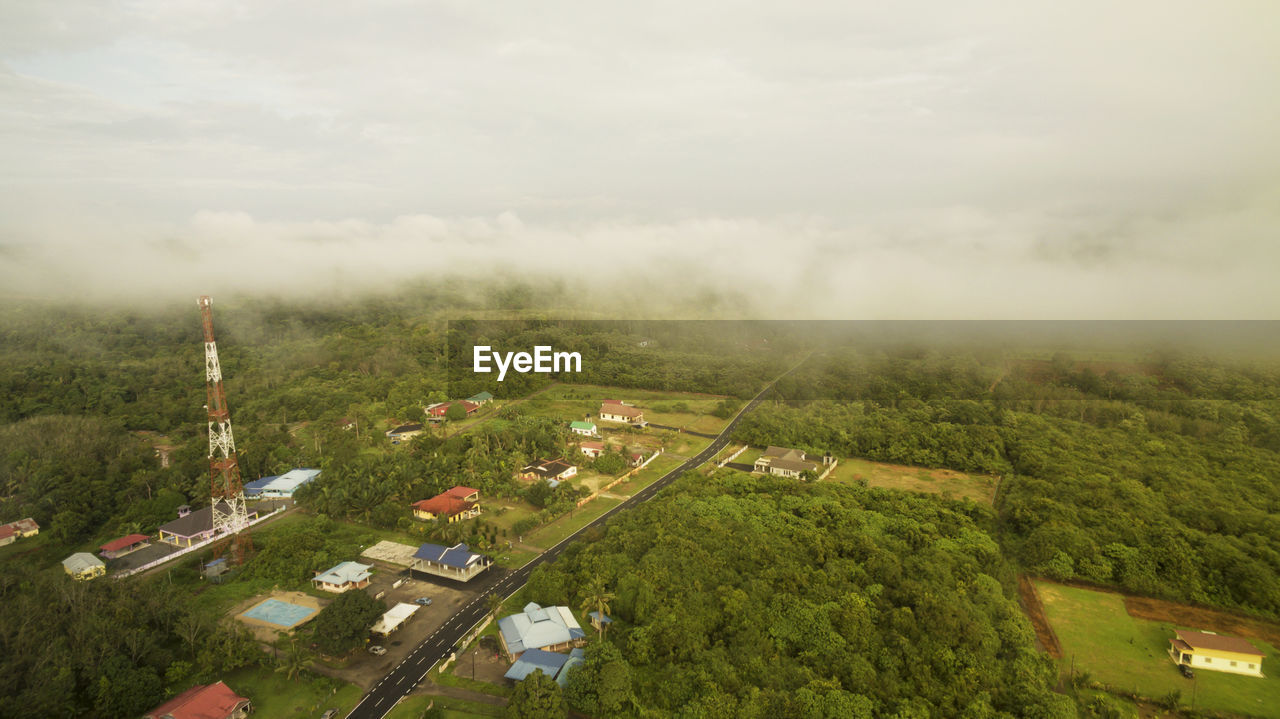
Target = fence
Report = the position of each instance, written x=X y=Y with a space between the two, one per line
x=732 y=457
x=188 y=550
x=620 y=479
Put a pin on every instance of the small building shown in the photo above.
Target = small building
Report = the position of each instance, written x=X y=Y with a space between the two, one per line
x=439 y=410
x=480 y=399
x=22 y=528
x=215 y=569
x=551 y=629
x=466 y=494
x=343 y=577
x=1215 y=652
x=635 y=459
x=206 y=701
x=598 y=620
x=451 y=509
x=394 y=618
x=553 y=664
x=404 y=433
x=615 y=411
x=83 y=565
x=282 y=486
x=586 y=429
x=556 y=469
x=194 y=527
x=457 y=562
x=124 y=545
x=592 y=449
x=784 y=462
x=7 y=535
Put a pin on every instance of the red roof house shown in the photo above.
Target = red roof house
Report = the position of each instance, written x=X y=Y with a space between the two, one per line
x=466 y=494
x=7 y=535
x=448 y=505
x=440 y=409
x=209 y=701
x=124 y=545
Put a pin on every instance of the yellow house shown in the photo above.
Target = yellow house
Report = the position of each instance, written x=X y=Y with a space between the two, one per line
x=83 y=565
x=1215 y=652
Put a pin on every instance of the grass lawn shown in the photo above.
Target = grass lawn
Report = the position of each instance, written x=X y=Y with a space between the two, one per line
x=959 y=485
x=513 y=558
x=567 y=402
x=1130 y=654
x=414 y=706
x=648 y=475
x=275 y=696
x=549 y=535
x=511 y=511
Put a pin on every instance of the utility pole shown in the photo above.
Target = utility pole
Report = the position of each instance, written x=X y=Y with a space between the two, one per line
x=226 y=492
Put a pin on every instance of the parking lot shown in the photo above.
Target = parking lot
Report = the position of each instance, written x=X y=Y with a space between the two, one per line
x=446 y=598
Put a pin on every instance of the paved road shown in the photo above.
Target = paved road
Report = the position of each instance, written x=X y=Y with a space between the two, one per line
x=413 y=669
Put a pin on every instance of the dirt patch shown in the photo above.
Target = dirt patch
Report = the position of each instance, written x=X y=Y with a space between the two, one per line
x=1034 y=610
x=1213 y=620
x=483 y=665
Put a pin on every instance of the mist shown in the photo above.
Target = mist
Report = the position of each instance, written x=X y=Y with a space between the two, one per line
x=1084 y=161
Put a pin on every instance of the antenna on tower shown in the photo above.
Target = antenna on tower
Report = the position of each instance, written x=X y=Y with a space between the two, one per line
x=226 y=493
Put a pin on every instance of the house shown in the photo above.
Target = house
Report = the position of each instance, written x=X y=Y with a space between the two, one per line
x=394 y=618
x=615 y=411
x=7 y=535
x=449 y=507
x=548 y=469
x=343 y=577
x=205 y=701
x=404 y=433
x=456 y=562
x=480 y=399
x=598 y=620
x=586 y=429
x=592 y=449
x=124 y=545
x=282 y=486
x=553 y=664
x=1215 y=652
x=23 y=528
x=83 y=565
x=439 y=410
x=784 y=462
x=635 y=459
x=550 y=629
x=466 y=494
x=194 y=527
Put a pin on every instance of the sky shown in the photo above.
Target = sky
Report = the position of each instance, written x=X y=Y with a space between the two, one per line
x=826 y=159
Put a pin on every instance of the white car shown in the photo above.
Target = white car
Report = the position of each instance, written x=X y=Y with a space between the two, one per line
x=377 y=650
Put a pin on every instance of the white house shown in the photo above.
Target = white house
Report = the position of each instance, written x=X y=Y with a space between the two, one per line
x=1215 y=652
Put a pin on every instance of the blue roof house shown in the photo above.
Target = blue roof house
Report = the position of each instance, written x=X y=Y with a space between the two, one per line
x=549 y=628
x=457 y=562
x=343 y=577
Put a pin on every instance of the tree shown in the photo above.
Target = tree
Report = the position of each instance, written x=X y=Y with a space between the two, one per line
x=598 y=599
x=343 y=625
x=295 y=659
x=456 y=412
x=537 y=697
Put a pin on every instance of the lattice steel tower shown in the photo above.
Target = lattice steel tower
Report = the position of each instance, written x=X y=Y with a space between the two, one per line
x=226 y=492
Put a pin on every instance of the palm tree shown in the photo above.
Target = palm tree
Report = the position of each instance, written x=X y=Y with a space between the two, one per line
x=598 y=599
x=296 y=658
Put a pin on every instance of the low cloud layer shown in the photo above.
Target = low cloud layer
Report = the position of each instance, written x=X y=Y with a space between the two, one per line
x=900 y=160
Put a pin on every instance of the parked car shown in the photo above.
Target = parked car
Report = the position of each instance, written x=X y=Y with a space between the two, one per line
x=377 y=650
x=423 y=601
x=329 y=714
x=1186 y=671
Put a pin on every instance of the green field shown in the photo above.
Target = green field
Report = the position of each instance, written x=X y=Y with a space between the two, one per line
x=958 y=485
x=647 y=476
x=414 y=706
x=275 y=696
x=1128 y=654
x=568 y=402
x=549 y=535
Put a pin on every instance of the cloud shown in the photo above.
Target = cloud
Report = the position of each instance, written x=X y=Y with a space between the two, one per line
x=1082 y=155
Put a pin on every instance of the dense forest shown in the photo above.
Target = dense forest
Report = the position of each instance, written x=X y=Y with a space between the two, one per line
x=1160 y=481
x=740 y=596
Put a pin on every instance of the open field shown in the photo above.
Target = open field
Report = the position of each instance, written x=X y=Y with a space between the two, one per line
x=1130 y=654
x=549 y=535
x=980 y=488
x=275 y=696
x=647 y=476
x=413 y=707
x=687 y=410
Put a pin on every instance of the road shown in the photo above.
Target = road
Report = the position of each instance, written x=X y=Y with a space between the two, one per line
x=414 y=668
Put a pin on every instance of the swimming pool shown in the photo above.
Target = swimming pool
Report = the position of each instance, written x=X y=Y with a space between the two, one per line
x=282 y=614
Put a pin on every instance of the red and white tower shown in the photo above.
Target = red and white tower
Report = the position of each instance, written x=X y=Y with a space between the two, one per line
x=226 y=493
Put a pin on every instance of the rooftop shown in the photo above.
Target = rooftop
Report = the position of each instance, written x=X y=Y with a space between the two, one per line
x=533 y=660
x=208 y=701
x=1217 y=642
x=458 y=556
x=345 y=572
x=620 y=409
x=538 y=627
x=123 y=542
x=443 y=504
x=81 y=561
